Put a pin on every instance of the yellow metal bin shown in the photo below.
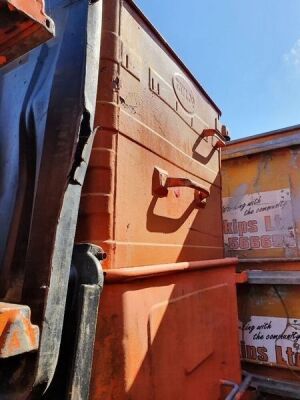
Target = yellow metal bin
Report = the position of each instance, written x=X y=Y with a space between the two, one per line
x=261 y=220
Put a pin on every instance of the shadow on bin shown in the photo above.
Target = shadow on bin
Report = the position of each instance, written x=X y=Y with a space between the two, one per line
x=163 y=335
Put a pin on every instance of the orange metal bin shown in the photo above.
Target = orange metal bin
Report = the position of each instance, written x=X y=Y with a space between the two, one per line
x=261 y=193
x=152 y=200
x=167 y=332
x=152 y=192
x=23 y=26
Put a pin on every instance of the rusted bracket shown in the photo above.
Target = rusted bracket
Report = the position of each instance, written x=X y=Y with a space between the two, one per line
x=220 y=140
x=23 y=26
x=162 y=182
x=17 y=334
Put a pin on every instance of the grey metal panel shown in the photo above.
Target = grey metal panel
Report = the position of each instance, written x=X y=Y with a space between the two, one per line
x=260 y=277
x=268 y=260
x=288 y=390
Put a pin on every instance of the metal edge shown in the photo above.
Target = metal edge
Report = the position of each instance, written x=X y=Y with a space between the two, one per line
x=286 y=389
x=261 y=277
x=267 y=133
x=86 y=260
x=149 y=271
x=246 y=148
x=69 y=212
x=133 y=5
x=73 y=373
x=268 y=260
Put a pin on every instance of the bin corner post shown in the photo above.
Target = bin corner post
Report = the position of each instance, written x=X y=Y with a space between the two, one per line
x=72 y=377
x=87 y=263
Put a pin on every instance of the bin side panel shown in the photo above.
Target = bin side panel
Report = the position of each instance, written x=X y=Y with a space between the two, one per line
x=167 y=337
x=151 y=114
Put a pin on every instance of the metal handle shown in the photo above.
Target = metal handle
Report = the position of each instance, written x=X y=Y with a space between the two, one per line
x=162 y=181
x=215 y=133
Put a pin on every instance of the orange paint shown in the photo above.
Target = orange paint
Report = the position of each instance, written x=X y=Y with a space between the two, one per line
x=153 y=116
x=17 y=334
x=24 y=25
x=167 y=332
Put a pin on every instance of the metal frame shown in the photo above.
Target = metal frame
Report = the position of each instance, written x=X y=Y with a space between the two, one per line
x=285 y=389
x=260 y=277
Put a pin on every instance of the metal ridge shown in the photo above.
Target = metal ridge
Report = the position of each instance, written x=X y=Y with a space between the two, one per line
x=260 y=135
x=254 y=144
x=148 y=271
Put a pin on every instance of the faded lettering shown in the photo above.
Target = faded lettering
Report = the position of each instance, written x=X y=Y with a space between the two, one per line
x=271 y=340
x=259 y=221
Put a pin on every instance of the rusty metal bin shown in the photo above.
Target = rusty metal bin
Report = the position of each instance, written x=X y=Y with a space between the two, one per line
x=261 y=192
x=269 y=328
x=152 y=192
x=167 y=332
